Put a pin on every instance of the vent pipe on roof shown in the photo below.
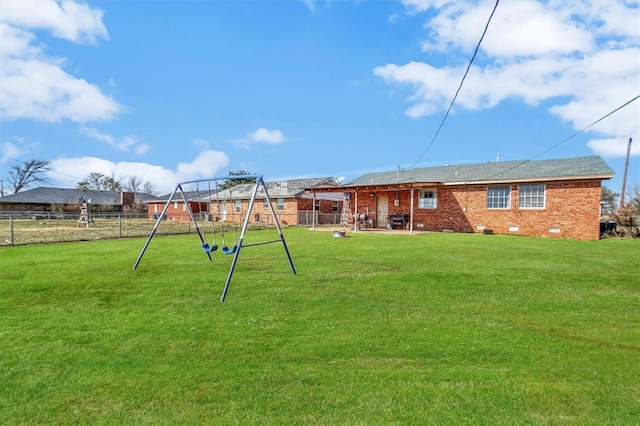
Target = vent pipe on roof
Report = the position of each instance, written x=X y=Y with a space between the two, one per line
x=497 y=157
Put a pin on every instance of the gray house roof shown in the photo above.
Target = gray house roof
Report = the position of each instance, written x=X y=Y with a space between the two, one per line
x=45 y=195
x=507 y=171
x=278 y=189
x=199 y=195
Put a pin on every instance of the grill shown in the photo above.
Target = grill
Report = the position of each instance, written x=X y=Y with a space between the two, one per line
x=398 y=220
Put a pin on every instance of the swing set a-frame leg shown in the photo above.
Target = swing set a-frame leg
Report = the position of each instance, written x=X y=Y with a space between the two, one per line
x=177 y=189
x=259 y=181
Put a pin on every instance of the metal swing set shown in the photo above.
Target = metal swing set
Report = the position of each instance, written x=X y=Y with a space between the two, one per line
x=208 y=249
x=214 y=246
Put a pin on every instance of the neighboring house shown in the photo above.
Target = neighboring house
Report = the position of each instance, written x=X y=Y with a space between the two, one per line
x=46 y=199
x=291 y=201
x=177 y=210
x=550 y=198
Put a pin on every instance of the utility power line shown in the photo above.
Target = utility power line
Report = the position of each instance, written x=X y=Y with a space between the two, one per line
x=567 y=139
x=475 y=52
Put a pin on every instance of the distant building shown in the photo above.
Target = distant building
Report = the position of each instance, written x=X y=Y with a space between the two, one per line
x=293 y=204
x=46 y=199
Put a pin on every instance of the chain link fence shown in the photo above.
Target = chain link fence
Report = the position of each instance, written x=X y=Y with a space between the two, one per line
x=47 y=227
x=39 y=227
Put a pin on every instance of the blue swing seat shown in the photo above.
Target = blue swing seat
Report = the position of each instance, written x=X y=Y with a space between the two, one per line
x=227 y=250
x=208 y=248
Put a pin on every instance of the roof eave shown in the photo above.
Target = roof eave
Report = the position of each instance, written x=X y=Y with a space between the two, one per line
x=537 y=179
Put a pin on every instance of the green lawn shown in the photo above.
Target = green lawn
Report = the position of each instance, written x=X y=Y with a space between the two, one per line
x=374 y=329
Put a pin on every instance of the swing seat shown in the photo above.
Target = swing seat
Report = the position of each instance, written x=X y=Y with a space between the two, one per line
x=208 y=248
x=227 y=250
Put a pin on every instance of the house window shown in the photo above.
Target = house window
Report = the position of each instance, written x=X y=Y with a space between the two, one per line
x=531 y=196
x=280 y=204
x=316 y=205
x=184 y=207
x=155 y=208
x=335 y=206
x=498 y=197
x=237 y=205
x=175 y=205
x=265 y=204
x=428 y=199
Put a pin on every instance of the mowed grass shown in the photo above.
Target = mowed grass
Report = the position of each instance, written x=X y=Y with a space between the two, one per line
x=374 y=329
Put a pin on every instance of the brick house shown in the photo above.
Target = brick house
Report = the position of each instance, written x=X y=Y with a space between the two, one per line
x=293 y=203
x=547 y=198
x=197 y=201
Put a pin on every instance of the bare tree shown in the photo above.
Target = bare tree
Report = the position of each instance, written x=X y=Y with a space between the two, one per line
x=609 y=200
x=148 y=188
x=133 y=184
x=92 y=181
x=100 y=182
x=111 y=184
x=31 y=172
x=634 y=201
x=627 y=216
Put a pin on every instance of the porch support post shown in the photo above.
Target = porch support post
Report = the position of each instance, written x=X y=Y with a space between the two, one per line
x=411 y=214
x=355 y=211
x=313 y=211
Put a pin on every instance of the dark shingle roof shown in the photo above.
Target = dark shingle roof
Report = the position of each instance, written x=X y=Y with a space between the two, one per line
x=567 y=168
x=199 y=195
x=44 y=195
x=279 y=189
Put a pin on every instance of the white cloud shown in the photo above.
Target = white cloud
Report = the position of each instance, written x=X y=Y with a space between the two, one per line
x=272 y=137
x=614 y=147
x=124 y=143
x=70 y=20
x=261 y=136
x=34 y=84
x=141 y=149
x=207 y=164
x=200 y=144
x=422 y=5
x=10 y=151
x=518 y=28
x=581 y=58
x=311 y=4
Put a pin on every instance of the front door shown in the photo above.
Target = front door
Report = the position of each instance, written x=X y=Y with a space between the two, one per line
x=223 y=213
x=382 y=211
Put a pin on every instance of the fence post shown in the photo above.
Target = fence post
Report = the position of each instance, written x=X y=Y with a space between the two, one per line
x=119 y=225
x=10 y=229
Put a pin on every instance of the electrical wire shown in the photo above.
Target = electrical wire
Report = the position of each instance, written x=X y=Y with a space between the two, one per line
x=475 y=52
x=565 y=139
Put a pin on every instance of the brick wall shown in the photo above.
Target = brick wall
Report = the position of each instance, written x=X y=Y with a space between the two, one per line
x=176 y=210
x=572 y=210
x=260 y=212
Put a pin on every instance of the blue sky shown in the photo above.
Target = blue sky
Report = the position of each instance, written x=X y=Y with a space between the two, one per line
x=170 y=91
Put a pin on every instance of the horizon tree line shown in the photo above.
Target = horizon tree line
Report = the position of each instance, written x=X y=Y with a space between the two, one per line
x=24 y=175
